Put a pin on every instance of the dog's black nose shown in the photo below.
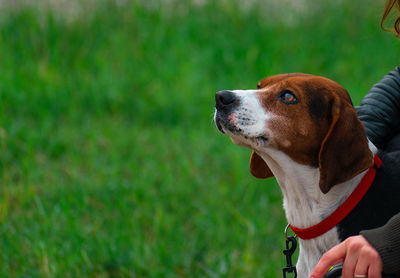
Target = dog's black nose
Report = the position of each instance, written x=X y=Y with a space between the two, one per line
x=224 y=99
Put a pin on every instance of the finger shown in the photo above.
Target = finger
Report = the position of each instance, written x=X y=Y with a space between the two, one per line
x=333 y=256
x=374 y=262
x=373 y=259
x=375 y=271
x=350 y=262
x=361 y=269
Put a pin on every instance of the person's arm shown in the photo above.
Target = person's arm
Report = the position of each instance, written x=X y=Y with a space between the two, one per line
x=379 y=111
x=386 y=240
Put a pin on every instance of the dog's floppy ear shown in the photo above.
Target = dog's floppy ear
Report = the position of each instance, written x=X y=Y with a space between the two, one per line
x=344 y=151
x=258 y=167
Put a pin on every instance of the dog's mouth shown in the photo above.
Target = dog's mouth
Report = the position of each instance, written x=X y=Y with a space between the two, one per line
x=239 y=134
x=219 y=125
x=225 y=126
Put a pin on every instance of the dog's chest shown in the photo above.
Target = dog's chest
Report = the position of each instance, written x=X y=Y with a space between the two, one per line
x=312 y=250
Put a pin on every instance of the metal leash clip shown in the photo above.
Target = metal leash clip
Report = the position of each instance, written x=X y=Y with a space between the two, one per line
x=291 y=245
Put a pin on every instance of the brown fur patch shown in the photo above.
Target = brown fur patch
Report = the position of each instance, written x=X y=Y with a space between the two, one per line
x=320 y=130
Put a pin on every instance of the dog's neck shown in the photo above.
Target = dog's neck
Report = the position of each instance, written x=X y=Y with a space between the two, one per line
x=304 y=203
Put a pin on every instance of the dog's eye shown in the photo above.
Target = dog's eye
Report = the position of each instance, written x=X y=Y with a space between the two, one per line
x=288 y=97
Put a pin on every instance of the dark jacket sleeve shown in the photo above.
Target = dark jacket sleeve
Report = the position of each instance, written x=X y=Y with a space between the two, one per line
x=386 y=240
x=379 y=111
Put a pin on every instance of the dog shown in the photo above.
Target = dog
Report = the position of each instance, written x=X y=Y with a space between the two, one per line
x=303 y=130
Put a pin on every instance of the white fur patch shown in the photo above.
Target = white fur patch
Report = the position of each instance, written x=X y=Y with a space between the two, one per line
x=250 y=116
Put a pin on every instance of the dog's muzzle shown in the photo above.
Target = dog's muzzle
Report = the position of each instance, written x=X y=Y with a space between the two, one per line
x=225 y=104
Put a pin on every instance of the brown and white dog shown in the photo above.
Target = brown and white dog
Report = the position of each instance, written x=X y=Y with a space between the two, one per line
x=303 y=130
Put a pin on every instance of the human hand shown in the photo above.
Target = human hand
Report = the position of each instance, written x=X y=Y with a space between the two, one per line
x=360 y=258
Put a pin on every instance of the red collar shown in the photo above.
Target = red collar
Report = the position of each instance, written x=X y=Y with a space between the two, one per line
x=343 y=210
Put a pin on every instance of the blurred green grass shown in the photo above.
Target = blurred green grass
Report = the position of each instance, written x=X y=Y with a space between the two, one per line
x=110 y=163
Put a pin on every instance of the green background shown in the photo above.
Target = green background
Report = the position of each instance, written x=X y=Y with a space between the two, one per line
x=110 y=162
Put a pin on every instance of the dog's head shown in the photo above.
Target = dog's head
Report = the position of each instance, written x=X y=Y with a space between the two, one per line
x=309 y=118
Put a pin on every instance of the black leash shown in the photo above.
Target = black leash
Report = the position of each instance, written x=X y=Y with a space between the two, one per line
x=291 y=245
